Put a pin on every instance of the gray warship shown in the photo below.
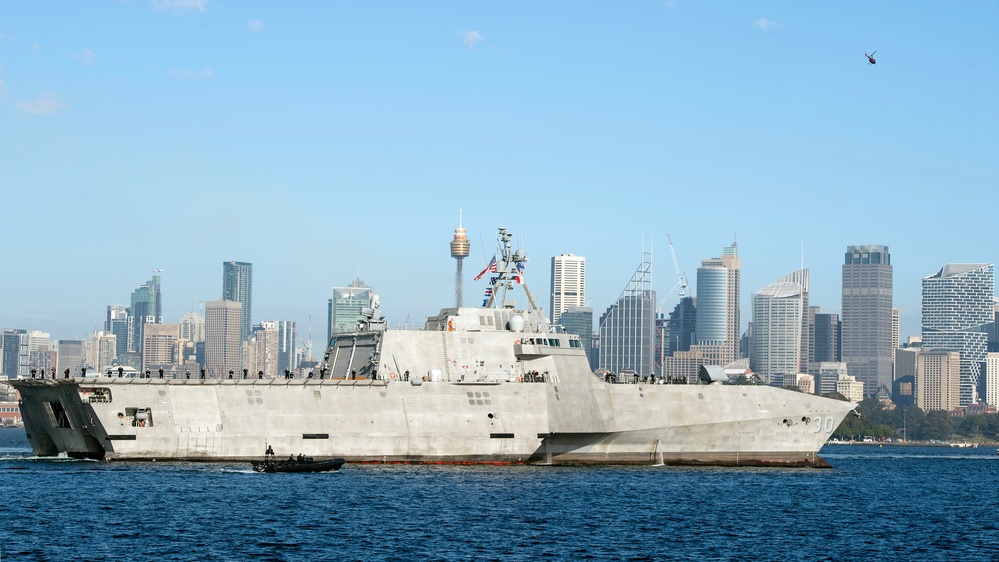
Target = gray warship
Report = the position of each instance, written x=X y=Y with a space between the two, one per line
x=494 y=384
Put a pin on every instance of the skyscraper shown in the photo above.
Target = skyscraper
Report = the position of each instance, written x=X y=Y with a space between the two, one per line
x=101 y=351
x=568 y=284
x=147 y=308
x=938 y=375
x=778 y=321
x=627 y=328
x=867 y=316
x=14 y=357
x=192 y=327
x=117 y=324
x=957 y=308
x=262 y=350
x=679 y=330
x=237 y=285
x=223 y=346
x=287 y=345
x=345 y=307
x=579 y=320
x=72 y=354
x=719 y=289
x=826 y=342
x=159 y=347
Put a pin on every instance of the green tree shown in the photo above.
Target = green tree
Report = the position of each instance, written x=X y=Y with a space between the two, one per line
x=937 y=426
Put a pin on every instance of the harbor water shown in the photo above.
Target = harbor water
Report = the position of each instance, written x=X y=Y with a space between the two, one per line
x=892 y=502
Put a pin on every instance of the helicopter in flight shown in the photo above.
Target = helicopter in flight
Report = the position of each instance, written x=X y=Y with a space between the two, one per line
x=870 y=58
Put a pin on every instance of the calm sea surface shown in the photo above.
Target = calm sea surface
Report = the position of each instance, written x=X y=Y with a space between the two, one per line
x=876 y=503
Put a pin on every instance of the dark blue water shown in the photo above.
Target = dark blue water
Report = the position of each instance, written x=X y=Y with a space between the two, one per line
x=876 y=503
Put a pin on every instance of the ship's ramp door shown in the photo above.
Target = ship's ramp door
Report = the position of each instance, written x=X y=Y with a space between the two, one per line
x=355 y=355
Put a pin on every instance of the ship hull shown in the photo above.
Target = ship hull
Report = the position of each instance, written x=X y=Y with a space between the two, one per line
x=376 y=421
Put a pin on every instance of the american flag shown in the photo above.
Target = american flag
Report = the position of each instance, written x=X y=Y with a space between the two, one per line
x=490 y=267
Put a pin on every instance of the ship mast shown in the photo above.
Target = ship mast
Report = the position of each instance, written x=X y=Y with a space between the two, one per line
x=509 y=270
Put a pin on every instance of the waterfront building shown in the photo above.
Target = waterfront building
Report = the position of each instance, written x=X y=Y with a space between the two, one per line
x=627 y=328
x=223 y=346
x=579 y=320
x=719 y=291
x=778 y=321
x=568 y=284
x=287 y=339
x=802 y=381
x=147 y=308
x=867 y=316
x=992 y=378
x=957 y=308
x=345 y=307
x=938 y=380
x=903 y=392
x=850 y=387
x=192 y=327
x=237 y=286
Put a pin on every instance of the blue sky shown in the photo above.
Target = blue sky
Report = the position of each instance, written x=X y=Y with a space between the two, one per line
x=325 y=140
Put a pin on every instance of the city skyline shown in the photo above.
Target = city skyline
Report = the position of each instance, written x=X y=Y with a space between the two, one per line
x=134 y=128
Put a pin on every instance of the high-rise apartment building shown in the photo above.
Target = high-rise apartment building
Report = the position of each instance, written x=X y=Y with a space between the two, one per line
x=147 y=308
x=778 y=321
x=938 y=380
x=719 y=290
x=957 y=309
x=237 y=286
x=867 y=316
x=262 y=350
x=223 y=346
x=568 y=284
x=345 y=307
x=627 y=328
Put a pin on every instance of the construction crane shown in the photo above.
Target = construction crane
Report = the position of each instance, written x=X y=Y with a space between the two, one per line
x=306 y=344
x=681 y=282
x=681 y=277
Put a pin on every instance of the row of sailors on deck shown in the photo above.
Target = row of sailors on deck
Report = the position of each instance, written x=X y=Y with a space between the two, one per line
x=147 y=375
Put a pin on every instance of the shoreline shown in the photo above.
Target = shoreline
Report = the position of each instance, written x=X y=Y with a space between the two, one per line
x=948 y=444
